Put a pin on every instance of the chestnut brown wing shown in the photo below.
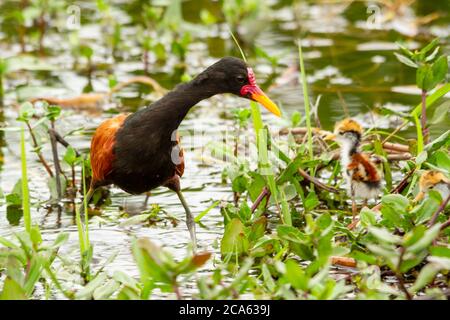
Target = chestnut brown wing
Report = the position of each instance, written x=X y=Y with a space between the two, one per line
x=362 y=169
x=102 y=147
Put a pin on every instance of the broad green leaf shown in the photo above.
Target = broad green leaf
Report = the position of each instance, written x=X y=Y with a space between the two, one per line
x=296 y=276
x=384 y=235
x=89 y=289
x=257 y=229
x=425 y=240
x=137 y=219
x=12 y=291
x=234 y=240
x=439 y=69
x=425 y=276
x=291 y=233
x=106 y=290
x=395 y=201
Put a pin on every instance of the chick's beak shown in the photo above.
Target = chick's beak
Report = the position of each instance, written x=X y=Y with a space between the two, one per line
x=330 y=137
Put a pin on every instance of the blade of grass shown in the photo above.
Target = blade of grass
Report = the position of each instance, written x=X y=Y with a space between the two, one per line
x=419 y=134
x=431 y=99
x=85 y=204
x=204 y=212
x=306 y=99
x=258 y=126
x=25 y=190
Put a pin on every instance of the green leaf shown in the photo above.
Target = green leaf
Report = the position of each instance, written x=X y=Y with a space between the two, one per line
x=234 y=240
x=440 y=252
x=89 y=289
x=268 y=280
x=137 y=219
x=105 y=291
x=384 y=235
x=204 y=212
x=421 y=157
x=405 y=60
x=153 y=262
x=442 y=159
x=257 y=229
x=425 y=78
x=311 y=201
x=12 y=291
x=439 y=69
x=296 y=276
x=26 y=111
x=291 y=233
x=425 y=277
x=125 y=279
x=70 y=157
x=395 y=201
x=34 y=274
x=35 y=235
x=368 y=217
x=429 y=46
x=425 y=210
x=60 y=240
x=425 y=240
x=441 y=113
x=431 y=99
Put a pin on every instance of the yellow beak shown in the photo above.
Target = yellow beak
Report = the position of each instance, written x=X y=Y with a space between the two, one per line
x=330 y=137
x=261 y=97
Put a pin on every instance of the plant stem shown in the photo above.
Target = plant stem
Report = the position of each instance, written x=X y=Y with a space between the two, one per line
x=39 y=154
x=56 y=160
x=400 y=276
x=86 y=198
x=425 y=131
x=265 y=192
x=1 y=90
x=439 y=210
x=306 y=100
x=25 y=191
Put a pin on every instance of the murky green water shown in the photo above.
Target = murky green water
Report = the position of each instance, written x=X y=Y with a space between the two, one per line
x=350 y=65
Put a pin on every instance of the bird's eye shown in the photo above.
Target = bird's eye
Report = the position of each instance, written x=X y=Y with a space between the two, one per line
x=241 y=78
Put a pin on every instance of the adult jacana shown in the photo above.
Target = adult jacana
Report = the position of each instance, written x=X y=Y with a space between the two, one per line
x=361 y=174
x=140 y=151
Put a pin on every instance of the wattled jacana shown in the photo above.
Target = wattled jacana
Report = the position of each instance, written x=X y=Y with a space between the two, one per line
x=140 y=151
x=363 y=178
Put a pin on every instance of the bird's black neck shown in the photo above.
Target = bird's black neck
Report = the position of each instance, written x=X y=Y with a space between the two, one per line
x=171 y=109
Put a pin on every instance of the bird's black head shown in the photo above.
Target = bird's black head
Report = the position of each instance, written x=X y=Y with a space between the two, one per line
x=232 y=75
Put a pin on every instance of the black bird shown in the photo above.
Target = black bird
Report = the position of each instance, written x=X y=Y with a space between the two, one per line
x=139 y=152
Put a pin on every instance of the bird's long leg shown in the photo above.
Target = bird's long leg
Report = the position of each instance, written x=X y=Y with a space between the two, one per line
x=189 y=219
x=174 y=184
x=147 y=196
x=354 y=211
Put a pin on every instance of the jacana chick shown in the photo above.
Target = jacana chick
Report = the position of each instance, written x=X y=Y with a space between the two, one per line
x=361 y=174
x=433 y=180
